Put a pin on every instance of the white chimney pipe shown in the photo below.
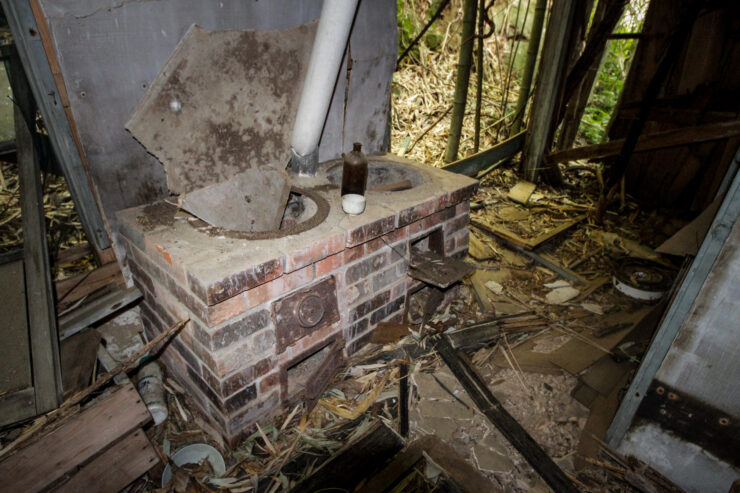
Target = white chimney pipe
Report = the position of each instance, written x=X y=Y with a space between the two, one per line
x=326 y=60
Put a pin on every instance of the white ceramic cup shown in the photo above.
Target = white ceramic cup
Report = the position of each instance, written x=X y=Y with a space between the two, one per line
x=353 y=203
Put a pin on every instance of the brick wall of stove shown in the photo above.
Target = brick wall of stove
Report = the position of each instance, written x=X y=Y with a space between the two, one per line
x=226 y=355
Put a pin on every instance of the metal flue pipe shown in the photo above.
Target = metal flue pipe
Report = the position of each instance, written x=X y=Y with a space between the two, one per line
x=326 y=60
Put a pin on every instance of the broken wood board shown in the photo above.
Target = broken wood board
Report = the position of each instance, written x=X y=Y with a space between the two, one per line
x=116 y=467
x=430 y=447
x=223 y=103
x=78 y=355
x=253 y=200
x=689 y=238
x=497 y=304
x=603 y=409
x=354 y=462
x=78 y=286
x=576 y=355
x=604 y=375
x=96 y=310
x=572 y=353
x=521 y=192
x=81 y=438
x=526 y=243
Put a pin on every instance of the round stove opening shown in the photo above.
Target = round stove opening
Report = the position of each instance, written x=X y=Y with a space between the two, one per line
x=305 y=210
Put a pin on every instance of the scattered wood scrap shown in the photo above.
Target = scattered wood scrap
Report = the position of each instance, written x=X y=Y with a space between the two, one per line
x=527 y=243
x=83 y=443
x=354 y=462
x=521 y=192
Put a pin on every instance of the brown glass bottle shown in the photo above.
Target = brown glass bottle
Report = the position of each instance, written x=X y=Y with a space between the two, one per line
x=354 y=171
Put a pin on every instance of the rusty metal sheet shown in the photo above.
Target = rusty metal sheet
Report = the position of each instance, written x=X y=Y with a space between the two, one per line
x=223 y=103
x=253 y=200
x=304 y=312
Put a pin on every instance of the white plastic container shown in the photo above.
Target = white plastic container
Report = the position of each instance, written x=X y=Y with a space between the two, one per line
x=151 y=389
x=353 y=203
x=195 y=453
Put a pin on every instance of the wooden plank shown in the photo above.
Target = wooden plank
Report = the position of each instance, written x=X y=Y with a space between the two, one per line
x=79 y=439
x=115 y=468
x=78 y=355
x=41 y=312
x=94 y=311
x=677 y=312
x=75 y=287
x=528 y=243
x=521 y=192
x=354 y=461
x=31 y=50
x=548 y=89
x=501 y=419
x=471 y=165
x=651 y=142
x=17 y=406
x=15 y=356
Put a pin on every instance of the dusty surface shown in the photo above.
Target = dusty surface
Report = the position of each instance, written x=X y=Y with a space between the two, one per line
x=224 y=102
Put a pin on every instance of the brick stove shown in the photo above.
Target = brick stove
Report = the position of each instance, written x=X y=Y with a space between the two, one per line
x=266 y=315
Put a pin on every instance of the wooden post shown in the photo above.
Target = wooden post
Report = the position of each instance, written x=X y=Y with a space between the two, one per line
x=461 y=80
x=548 y=89
x=46 y=368
x=41 y=81
x=532 y=49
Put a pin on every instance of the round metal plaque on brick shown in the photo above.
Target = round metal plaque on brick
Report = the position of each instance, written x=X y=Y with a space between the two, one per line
x=310 y=310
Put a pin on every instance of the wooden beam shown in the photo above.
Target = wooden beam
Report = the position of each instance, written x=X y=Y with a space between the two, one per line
x=501 y=419
x=650 y=142
x=94 y=311
x=41 y=79
x=75 y=287
x=45 y=363
x=548 y=89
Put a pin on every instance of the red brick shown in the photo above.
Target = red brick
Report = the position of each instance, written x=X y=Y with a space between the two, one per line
x=265 y=292
x=316 y=251
x=437 y=218
x=367 y=232
x=414 y=228
x=353 y=253
x=227 y=309
x=457 y=223
x=462 y=239
x=397 y=235
x=417 y=212
x=282 y=284
x=269 y=382
x=462 y=207
x=329 y=264
x=243 y=377
x=218 y=291
x=461 y=194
